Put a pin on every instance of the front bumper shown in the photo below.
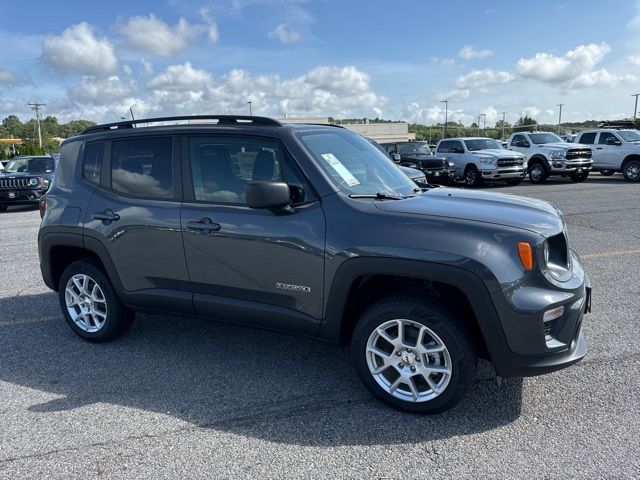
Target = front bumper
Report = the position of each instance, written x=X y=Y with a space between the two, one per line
x=21 y=197
x=571 y=166
x=535 y=347
x=503 y=173
x=438 y=177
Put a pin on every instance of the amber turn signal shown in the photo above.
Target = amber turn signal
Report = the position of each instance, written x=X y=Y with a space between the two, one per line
x=526 y=255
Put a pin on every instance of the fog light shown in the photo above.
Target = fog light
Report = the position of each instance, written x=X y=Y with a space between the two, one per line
x=553 y=314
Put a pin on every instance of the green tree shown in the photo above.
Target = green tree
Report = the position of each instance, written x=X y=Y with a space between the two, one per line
x=526 y=120
x=12 y=125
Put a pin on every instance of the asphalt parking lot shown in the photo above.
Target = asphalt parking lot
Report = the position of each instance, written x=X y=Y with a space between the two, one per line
x=178 y=397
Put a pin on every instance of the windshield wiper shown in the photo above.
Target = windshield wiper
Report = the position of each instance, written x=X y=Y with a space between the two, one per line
x=378 y=196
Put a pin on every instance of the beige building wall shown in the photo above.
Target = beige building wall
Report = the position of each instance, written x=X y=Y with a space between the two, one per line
x=380 y=132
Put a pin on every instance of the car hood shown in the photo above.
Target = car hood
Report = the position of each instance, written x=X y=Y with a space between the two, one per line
x=529 y=214
x=411 y=172
x=497 y=152
x=564 y=146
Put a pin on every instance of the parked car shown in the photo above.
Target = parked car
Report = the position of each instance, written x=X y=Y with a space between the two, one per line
x=478 y=160
x=413 y=173
x=307 y=229
x=419 y=155
x=548 y=155
x=614 y=151
x=25 y=180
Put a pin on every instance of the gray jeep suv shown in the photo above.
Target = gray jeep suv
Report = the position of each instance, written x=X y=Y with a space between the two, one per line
x=312 y=230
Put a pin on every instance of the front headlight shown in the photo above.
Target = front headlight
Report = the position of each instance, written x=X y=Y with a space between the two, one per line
x=452 y=165
x=420 y=179
x=489 y=160
x=557 y=155
x=33 y=182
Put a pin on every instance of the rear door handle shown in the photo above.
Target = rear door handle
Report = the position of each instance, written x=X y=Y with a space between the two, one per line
x=204 y=225
x=107 y=216
x=598 y=148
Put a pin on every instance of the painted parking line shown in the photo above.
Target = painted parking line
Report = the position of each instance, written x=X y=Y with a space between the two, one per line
x=610 y=254
x=22 y=321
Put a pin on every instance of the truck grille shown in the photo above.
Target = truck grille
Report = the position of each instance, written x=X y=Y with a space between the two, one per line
x=8 y=183
x=507 y=162
x=433 y=164
x=578 y=153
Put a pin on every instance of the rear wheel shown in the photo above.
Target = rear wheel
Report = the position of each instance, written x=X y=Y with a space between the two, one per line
x=537 y=172
x=631 y=171
x=514 y=181
x=580 y=177
x=472 y=177
x=90 y=304
x=607 y=173
x=413 y=354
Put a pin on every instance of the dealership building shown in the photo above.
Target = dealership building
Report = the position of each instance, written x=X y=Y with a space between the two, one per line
x=380 y=132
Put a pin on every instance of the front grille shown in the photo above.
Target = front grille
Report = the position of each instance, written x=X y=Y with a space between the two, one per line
x=433 y=164
x=9 y=183
x=507 y=162
x=578 y=153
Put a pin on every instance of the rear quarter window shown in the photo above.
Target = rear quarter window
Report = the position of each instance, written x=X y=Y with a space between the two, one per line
x=93 y=158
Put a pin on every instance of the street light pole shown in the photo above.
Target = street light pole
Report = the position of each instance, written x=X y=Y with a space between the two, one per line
x=479 y=117
x=250 y=114
x=484 y=123
x=635 y=109
x=36 y=107
x=446 y=117
x=560 y=116
x=504 y=114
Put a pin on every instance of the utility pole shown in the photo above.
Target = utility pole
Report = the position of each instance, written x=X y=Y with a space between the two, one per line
x=484 y=123
x=36 y=108
x=635 y=109
x=560 y=116
x=504 y=114
x=446 y=117
x=249 y=109
x=479 y=117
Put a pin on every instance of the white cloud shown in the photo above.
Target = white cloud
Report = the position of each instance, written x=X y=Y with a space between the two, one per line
x=600 y=78
x=78 y=51
x=415 y=113
x=635 y=59
x=484 y=78
x=549 y=68
x=181 y=77
x=147 y=66
x=101 y=91
x=456 y=94
x=127 y=69
x=469 y=52
x=10 y=78
x=443 y=62
x=153 y=35
x=212 y=28
x=284 y=34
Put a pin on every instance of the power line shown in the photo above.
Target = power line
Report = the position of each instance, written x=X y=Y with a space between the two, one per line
x=36 y=107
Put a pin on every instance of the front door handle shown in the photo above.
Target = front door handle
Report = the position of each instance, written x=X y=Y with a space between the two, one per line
x=204 y=225
x=598 y=148
x=107 y=216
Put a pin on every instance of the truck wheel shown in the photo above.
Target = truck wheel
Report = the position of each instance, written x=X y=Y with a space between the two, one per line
x=3 y=207
x=513 y=181
x=537 y=173
x=579 y=177
x=414 y=354
x=631 y=171
x=472 y=177
x=607 y=173
x=90 y=304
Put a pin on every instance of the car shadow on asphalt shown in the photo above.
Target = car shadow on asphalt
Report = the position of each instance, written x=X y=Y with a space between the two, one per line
x=272 y=386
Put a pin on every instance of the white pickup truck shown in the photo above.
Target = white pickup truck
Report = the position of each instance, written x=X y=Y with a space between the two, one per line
x=614 y=151
x=547 y=154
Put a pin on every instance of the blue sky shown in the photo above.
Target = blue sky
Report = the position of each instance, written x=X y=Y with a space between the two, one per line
x=396 y=60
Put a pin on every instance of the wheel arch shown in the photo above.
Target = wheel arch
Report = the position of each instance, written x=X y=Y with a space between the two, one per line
x=629 y=158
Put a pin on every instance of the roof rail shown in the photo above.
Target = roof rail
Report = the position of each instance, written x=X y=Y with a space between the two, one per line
x=222 y=120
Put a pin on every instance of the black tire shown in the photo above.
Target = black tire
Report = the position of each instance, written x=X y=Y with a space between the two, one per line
x=538 y=173
x=579 y=177
x=607 y=173
x=118 y=317
x=631 y=171
x=3 y=207
x=441 y=321
x=514 y=181
x=472 y=177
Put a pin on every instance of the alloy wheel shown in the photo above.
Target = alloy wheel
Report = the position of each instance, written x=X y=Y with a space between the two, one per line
x=408 y=360
x=86 y=303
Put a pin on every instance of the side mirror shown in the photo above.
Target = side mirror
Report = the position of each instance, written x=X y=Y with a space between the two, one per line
x=267 y=194
x=396 y=157
x=613 y=141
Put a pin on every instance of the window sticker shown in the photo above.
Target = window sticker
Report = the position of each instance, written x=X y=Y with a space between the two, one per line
x=340 y=169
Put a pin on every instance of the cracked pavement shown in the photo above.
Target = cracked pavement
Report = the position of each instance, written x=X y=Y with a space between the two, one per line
x=190 y=398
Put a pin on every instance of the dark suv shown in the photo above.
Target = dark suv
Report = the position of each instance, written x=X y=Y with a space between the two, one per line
x=308 y=229
x=24 y=180
x=419 y=155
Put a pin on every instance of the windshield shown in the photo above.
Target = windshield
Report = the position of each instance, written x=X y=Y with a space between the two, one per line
x=355 y=166
x=30 y=165
x=540 y=138
x=419 y=148
x=630 y=135
x=481 y=144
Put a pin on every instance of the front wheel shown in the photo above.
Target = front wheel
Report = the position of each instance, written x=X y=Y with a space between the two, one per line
x=413 y=354
x=631 y=171
x=537 y=173
x=90 y=304
x=472 y=177
x=579 y=177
